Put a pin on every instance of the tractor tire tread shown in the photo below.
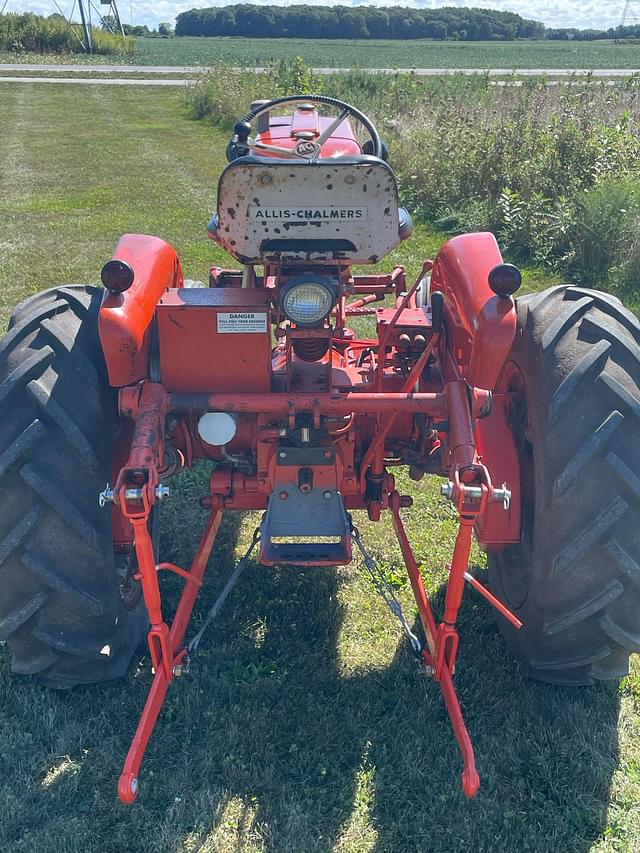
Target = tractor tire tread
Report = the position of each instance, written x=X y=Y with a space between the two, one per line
x=61 y=611
x=578 y=351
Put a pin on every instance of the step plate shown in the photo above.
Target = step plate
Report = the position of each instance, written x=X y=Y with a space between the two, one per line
x=308 y=529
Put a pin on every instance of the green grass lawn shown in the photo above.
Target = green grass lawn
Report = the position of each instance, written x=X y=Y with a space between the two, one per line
x=303 y=725
x=419 y=53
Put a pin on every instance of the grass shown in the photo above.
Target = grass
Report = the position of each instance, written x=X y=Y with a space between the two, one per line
x=28 y=32
x=417 y=53
x=303 y=726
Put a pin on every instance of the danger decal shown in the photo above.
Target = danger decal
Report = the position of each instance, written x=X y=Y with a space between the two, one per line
x=242 y=321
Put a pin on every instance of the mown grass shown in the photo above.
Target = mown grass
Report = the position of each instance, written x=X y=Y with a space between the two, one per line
x=303 y=726
x=417 y=53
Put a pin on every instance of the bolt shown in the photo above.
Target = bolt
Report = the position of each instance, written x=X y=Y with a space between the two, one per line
x=504 y=495
x=446 y=489
x=178 y=670
x=162 y=492
x=282 y=454
x=326 y=495
x=428 y=670
x=105 y=496
x=283 y=496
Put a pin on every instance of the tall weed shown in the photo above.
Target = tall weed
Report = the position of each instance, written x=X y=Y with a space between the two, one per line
x=553 y=170
x=35 y=34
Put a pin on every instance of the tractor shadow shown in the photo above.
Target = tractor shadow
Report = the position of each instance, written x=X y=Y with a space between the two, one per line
x=312 y=752
x=278 y=741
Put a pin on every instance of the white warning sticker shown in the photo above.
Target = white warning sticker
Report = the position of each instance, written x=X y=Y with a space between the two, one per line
x=242 y=321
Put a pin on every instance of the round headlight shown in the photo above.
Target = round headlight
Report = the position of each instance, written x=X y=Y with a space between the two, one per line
x=307 y=301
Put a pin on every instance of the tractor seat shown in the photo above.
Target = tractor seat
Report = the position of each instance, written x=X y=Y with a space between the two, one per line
x=332 y=210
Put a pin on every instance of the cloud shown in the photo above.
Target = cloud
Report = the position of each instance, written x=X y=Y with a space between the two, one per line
x=561 y=13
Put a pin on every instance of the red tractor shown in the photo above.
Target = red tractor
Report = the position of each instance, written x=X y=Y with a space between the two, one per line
x=528 y=409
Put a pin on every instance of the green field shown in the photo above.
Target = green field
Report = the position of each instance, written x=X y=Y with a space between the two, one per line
x=303 y=726
x=372 y=54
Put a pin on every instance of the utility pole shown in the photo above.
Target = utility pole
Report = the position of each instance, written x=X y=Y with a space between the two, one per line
x=630 y=14
x=86 y=28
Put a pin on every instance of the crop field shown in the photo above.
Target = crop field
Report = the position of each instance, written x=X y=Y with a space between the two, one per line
x=389 y=54
x=303 y=727
x=370 y=54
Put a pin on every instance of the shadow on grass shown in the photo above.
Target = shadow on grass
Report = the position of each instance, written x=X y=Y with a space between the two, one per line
x=268 y=745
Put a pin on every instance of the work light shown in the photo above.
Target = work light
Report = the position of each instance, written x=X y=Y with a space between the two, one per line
x=307 y=299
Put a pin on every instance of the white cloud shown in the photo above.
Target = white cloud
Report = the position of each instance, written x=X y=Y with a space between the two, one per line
x=555 y=13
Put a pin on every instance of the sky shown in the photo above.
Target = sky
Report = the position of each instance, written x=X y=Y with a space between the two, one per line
x=553 y=13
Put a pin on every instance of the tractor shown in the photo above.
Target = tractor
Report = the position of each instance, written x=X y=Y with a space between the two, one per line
x=528 y=408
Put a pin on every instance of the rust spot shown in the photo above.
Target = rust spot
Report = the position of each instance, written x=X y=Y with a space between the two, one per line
x=329 y=186
x=232 y=213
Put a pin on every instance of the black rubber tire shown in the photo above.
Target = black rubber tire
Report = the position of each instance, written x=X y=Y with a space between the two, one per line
x=61 y=610
x=574 y=580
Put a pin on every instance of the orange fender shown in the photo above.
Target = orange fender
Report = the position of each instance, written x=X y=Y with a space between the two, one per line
x=481 y=325
x=125 y=318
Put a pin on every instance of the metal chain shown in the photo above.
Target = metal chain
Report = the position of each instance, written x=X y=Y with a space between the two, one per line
x=192 y=648
x=381 y=585
x=386 y=593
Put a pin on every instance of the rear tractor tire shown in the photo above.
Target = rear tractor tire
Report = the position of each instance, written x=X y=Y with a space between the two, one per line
x=67 y=611
x=573 y=383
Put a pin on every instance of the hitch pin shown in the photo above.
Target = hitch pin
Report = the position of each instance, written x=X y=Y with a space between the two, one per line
x=502 y=494
x=107 y=495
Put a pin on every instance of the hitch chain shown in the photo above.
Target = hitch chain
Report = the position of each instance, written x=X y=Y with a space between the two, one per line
x=387 y=594
x=213 y=611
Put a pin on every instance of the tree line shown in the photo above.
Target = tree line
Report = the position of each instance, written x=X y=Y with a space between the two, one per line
x=356 y=22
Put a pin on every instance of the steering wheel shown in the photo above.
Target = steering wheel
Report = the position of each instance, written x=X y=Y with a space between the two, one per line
x=242 y=143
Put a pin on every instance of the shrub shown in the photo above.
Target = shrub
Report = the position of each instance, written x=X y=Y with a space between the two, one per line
x=553 y=171
x=35 y=34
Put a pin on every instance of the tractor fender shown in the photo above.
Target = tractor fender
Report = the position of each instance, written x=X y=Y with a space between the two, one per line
x=125 y=318
x=496 y=446
x=481 y=325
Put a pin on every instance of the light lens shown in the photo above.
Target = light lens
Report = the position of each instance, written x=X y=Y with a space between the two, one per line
x=117 y=276
x=505 y=279
x=307 y=303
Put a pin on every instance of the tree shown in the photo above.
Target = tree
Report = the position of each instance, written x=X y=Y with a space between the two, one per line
x=165 y=29
x=109 y=24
